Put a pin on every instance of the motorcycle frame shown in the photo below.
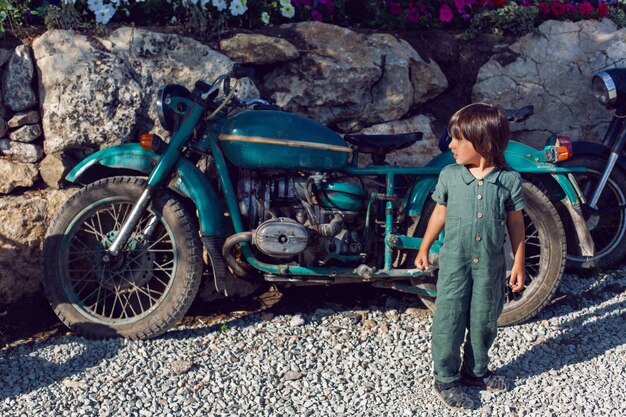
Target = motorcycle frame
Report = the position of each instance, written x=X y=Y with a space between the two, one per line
x=172 y=169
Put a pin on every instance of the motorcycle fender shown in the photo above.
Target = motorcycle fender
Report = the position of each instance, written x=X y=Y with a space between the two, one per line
x=581 y=147
x=189 y=181
x=425 y=185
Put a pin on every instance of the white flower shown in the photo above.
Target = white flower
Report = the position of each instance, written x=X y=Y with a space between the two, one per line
x=285 y=3
x=104 y=14
x=265 y=18
x=238 y=7
x=219 y=4
x=94 y=5
x=288 y=11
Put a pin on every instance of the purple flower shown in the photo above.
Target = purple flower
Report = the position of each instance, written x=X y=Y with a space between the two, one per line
x=328 y=3
x=413 y=16
x=316 y=15
x=395 y=8
x=445 y=14
x=460 y=5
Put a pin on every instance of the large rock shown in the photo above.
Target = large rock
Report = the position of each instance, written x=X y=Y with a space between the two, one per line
x=417 y=154
x=102 y=91
x=26 y=133
x=258 y=49
x=17 y=79
x=54 y=168
x=552 y=70
x=21 y=119
x=345 y=76
x=23 y=223
x=20 y=152
x=16 y=174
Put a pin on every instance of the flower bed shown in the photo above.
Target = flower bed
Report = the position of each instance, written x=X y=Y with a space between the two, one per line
x=211 y=16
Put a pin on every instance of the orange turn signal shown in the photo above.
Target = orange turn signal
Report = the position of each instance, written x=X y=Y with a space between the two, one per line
x=562 y=153
x=147 y=141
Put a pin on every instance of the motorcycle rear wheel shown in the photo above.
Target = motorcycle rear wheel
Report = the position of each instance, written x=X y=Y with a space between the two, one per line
x=544 y=261
x=142 y=292
x=608 y=230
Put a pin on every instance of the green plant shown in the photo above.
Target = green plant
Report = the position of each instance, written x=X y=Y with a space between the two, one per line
x=63 y=17
x=508 y=20
x=618 y=16
x=11 y=14
x=224 y=328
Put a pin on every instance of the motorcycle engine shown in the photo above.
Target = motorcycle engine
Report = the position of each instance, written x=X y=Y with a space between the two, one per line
x=310 y=216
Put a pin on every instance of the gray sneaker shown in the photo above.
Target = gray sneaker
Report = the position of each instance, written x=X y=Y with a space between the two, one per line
x=490 y=381
x=452 y=395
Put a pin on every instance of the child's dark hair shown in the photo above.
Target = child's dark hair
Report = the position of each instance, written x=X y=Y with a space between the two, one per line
x=486 y=127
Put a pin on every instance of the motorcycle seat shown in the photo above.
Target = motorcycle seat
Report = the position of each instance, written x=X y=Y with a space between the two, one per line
x=383 y=144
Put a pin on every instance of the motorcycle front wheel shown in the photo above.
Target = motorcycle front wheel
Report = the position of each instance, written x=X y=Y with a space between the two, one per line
x=607 y=229
x=140 y=293
x=543 y=264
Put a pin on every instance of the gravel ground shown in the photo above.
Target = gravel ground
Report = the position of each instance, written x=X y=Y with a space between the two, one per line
x=568 y=361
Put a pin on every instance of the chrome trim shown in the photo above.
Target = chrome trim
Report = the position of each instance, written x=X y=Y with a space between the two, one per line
x=284 y=142
x=603 y=180
x=609 y=84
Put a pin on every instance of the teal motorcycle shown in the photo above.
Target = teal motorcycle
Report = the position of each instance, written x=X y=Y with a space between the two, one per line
x=244 y=189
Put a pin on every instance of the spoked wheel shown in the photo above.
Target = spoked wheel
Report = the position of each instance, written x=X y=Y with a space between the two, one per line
x=544 y=261
x=607 y=229
x=141 y=292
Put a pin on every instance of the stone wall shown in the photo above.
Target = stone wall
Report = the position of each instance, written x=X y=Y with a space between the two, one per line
x=70 y=95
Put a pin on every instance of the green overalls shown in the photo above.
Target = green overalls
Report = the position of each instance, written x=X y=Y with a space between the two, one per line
x=472 y=271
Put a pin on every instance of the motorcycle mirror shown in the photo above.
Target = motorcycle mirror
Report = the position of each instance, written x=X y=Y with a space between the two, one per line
x=242 y=71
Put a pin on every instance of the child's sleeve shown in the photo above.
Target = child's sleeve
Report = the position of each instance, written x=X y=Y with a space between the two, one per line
x=440 y=195
x=517 y=201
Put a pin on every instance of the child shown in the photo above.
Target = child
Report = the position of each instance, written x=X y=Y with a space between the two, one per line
x=476 y=198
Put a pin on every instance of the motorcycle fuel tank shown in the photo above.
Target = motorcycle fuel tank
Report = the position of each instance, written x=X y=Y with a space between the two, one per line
x=280 y=140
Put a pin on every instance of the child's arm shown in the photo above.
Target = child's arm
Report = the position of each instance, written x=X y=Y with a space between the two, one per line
x=435 y=225
x=515 y=226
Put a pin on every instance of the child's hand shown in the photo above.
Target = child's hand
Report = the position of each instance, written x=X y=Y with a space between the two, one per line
x=517 y=278
x=421 y=260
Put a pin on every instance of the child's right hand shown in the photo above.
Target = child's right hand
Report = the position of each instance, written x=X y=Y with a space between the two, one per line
x=421 y=260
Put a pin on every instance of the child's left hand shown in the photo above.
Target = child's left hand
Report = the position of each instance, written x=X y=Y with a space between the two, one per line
x=517 y=278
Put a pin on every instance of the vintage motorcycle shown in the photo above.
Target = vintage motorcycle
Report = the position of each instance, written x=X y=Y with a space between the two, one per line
x=283 y=200
x=604 y=183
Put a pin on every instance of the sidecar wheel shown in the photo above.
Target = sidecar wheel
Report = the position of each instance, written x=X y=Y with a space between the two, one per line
x=544 y=261
x=142 y=292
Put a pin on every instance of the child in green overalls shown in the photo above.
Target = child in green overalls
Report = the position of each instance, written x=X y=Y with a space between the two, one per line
x=476 y=199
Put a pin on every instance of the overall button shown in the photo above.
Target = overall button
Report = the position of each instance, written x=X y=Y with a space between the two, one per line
x=475 y=260
x=481 y=182
x=479 y=215
x=480 y=197
x=501 y=221
x=478 y=238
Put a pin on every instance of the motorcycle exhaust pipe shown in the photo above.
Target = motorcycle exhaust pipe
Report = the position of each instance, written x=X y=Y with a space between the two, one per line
x=227 y=255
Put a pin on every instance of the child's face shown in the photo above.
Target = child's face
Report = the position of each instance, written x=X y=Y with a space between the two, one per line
x=464 y=152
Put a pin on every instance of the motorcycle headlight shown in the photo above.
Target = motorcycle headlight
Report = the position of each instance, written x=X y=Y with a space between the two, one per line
x=609 y=87
x=167 y=116
x=604 y=88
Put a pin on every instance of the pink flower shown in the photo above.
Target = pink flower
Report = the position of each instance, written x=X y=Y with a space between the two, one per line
x=413 y=16
x=460 y=5
x=603 y=10
x=316 y=15
x=585 y=8
x=500 y=3
x=307 y=2
x=543 y=8
x=395 y=8
x=569 y=7
x=557 y=8
x=445 y=13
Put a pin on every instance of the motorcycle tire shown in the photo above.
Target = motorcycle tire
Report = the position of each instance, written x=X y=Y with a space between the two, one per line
x=143 y=291
x=608 y=230
x=544 y=261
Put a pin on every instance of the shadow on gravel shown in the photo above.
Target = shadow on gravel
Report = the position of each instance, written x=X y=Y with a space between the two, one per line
x=583 y=338
x=32 y=366
x=306 y=300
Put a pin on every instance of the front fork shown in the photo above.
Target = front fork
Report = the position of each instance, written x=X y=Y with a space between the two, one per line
x=129 y=225
x=616 y=151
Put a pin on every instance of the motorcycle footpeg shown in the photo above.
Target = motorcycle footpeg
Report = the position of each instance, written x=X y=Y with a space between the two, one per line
x=213 y=246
